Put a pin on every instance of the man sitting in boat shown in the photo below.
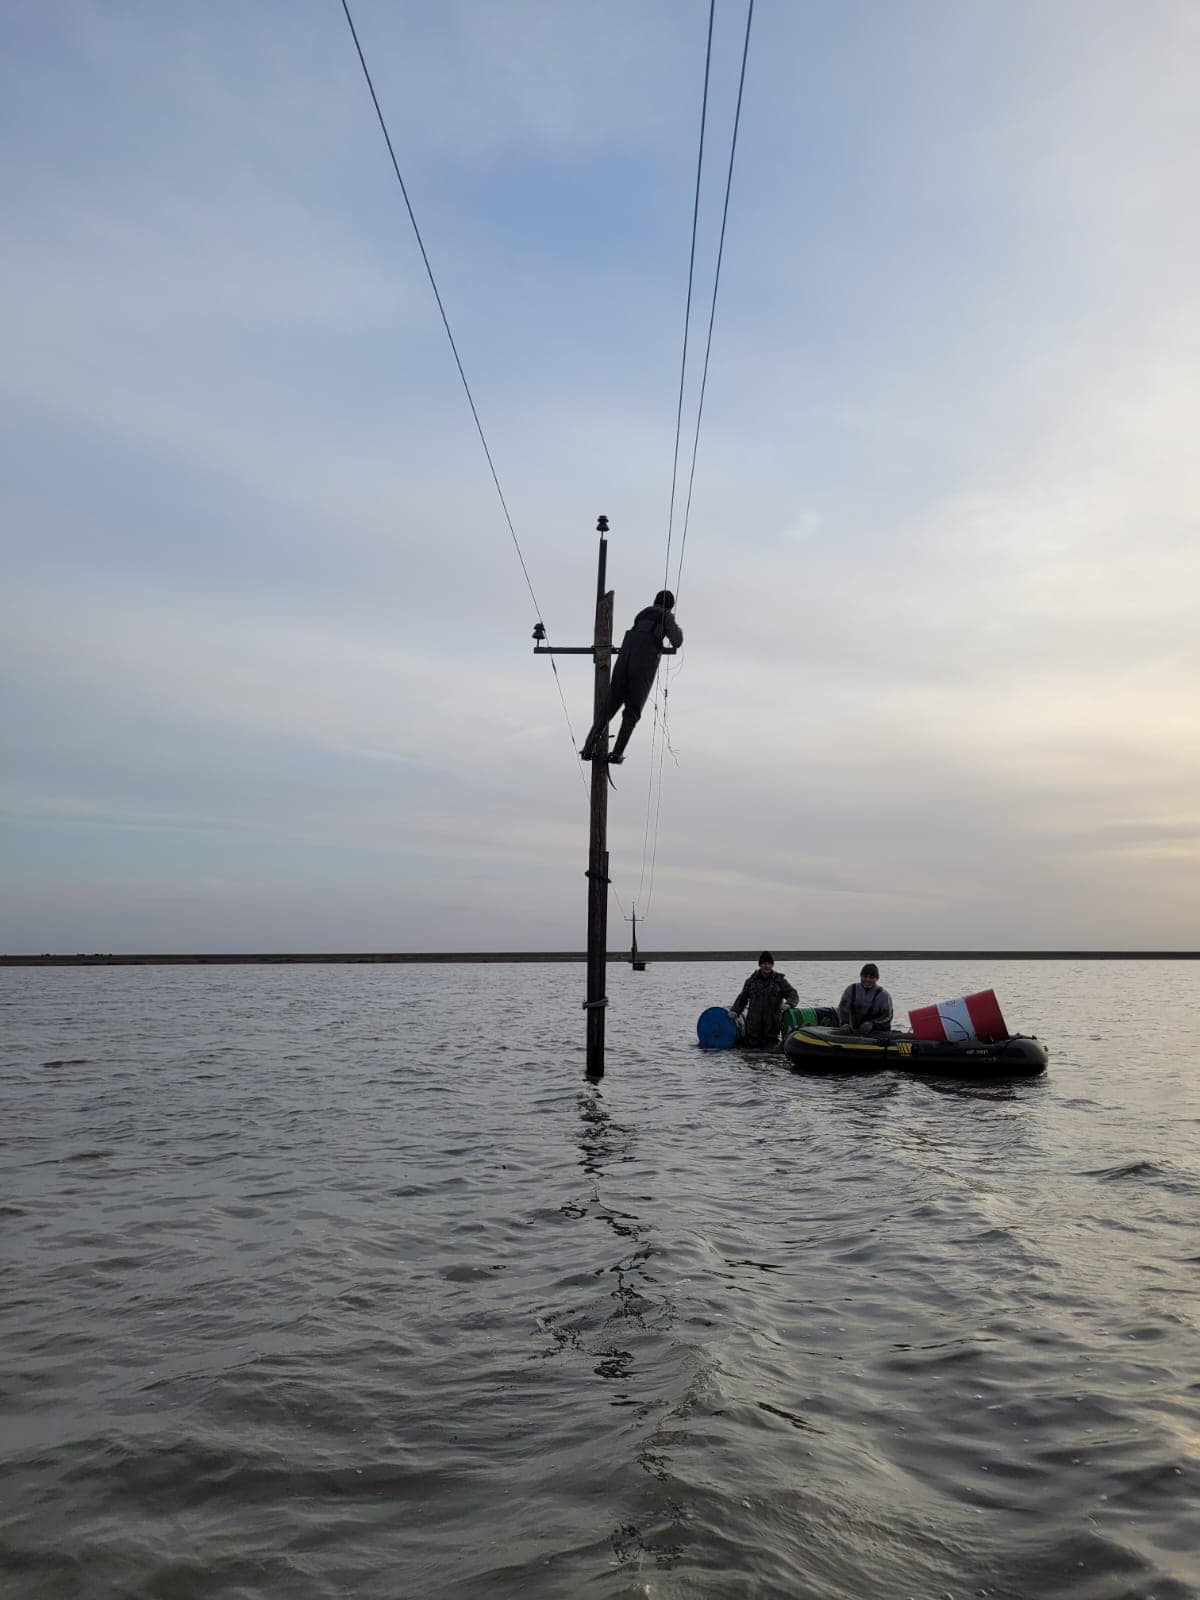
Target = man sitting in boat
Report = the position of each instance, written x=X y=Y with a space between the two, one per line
x=864 y=1006
x=764 y=996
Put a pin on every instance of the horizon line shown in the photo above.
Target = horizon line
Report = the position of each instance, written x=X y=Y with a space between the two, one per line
x=467 y=957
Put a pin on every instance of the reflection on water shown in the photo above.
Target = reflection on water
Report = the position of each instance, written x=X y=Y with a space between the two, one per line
x=306 y=1297
x=641 y=1305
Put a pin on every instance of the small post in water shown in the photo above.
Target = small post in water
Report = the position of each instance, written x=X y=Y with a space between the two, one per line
x=635 y=960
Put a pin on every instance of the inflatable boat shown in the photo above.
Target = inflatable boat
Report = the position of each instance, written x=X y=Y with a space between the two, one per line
x=824 y=1049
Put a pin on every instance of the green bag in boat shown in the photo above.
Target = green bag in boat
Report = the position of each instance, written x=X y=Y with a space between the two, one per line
x=799 y=1017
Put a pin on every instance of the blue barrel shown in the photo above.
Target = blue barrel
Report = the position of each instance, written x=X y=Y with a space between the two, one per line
x=716 y=1029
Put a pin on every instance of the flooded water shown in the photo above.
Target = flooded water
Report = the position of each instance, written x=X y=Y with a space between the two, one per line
x=340 y=1281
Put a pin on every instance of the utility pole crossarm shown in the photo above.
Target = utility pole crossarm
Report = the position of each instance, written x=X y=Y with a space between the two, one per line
x=585 y=650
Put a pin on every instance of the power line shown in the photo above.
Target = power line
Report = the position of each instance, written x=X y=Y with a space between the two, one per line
x=687 y=315
x=458 y=363
x=687 y=321
x=437 y=296
x=712 y=314
x=663 y=734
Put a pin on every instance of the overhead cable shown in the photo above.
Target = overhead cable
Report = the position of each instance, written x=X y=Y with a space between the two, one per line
x=712 y=314
x=687 y=321
x=687 y=315
x=457 y=359
x=664 y=734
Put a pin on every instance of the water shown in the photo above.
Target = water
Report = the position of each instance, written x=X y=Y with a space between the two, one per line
x=339 y=1281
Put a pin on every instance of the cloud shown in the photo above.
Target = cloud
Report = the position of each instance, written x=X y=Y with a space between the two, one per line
x=267 y=631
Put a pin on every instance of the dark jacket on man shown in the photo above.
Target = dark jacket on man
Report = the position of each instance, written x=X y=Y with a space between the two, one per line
x=633 y=674
x=763 y=999
x=859 y=1005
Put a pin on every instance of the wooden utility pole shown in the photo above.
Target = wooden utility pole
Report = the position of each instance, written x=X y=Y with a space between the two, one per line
x=597 y=869
x=600 y=651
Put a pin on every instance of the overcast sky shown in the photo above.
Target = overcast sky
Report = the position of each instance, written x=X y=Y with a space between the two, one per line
x=267 y=678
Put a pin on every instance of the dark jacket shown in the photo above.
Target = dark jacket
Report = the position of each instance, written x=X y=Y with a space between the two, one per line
x=859 y=1005
x=637 y=661
x=649 y=628
x=633 y=674
x=762 y=999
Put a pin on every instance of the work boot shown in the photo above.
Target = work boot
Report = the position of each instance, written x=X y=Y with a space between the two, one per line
x=623 y=738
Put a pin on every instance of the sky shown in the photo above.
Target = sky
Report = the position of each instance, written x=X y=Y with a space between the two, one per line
x=267 y=673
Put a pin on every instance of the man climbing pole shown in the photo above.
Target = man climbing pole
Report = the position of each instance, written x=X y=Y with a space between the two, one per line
x=633 y=673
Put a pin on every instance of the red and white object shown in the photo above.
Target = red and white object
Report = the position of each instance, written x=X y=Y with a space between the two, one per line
x=975 y=1016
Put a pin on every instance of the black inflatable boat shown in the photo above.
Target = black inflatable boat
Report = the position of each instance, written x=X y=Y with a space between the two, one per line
x=816 y=1049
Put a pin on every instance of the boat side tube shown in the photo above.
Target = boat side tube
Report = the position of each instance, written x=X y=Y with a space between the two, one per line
x=826 y=1050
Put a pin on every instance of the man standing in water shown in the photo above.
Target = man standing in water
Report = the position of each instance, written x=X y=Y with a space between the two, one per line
x=633 y=673
x=864 y=1006
x=764 y=995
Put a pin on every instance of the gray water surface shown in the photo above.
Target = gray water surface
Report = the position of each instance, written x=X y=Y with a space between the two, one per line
x=340 y=1281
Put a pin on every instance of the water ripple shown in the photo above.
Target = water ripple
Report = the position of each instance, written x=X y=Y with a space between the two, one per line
x=307 y=1295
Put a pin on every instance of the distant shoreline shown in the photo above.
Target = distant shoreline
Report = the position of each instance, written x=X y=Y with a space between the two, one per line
x=478 y=957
